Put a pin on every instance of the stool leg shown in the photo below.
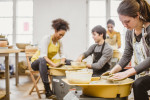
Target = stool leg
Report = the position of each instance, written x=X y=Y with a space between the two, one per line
x=35 y=85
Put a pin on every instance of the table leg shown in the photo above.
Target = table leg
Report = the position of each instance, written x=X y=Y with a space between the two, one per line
x=7 y=77
x=17 y=77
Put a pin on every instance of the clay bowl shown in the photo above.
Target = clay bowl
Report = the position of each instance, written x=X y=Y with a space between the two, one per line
x=22 y=45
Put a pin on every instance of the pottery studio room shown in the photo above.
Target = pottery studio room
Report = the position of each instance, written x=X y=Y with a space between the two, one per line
x=74 y=49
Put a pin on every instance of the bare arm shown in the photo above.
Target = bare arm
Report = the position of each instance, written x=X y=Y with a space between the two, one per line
x=116 y=69
x=80 y=58
x=63 y=60
x=125 y=74
x=49 y=61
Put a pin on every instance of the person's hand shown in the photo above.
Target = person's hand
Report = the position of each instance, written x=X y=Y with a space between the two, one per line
x=59 y=64
x=119 y=47
x=111 y=72
x=108 y=73
x=116 y=69
x=119 y=76
x=63 y=63
x=54 y=65
x=79 y=59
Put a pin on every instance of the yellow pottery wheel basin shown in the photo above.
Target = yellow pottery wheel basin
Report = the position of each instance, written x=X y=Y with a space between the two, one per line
x=106 y=89
x=61 y=70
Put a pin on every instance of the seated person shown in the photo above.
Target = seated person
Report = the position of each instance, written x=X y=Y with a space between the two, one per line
x=49 y=46
x=102 y=52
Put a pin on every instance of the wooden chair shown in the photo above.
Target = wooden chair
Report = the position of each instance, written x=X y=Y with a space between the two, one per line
x=30 y=53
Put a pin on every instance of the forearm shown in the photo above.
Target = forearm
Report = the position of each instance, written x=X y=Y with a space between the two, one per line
x=88 y=66
x=63 y=60
x=116 y=69
x=81 y=57
x=49 y=61
x=130 y=72
x=125 y=74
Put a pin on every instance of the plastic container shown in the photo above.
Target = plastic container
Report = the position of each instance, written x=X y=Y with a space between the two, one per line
x=79 y=77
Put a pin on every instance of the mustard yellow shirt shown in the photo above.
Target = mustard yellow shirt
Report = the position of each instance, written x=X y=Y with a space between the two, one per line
x=118 y=39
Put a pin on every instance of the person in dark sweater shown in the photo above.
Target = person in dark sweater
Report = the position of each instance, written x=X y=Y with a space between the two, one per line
x=102 y=52
x=135 y=16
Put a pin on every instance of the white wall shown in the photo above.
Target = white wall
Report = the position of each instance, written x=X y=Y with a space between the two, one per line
x=73 y=11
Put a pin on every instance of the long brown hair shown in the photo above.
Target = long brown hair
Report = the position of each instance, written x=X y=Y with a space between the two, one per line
x=132 y=7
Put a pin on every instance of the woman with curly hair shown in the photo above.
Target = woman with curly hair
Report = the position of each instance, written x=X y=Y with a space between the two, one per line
x=49 y=46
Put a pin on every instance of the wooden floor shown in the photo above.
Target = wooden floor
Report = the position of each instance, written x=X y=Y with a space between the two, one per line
x=21 y=92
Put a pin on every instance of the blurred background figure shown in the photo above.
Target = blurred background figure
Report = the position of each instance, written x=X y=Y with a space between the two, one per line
x=113 y=37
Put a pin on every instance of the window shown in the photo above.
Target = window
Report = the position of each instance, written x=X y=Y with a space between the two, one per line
x=17 y=22
x=24 y=21
x=118 y=25
x=97 y=16
x=100 y=12
x=6 y=19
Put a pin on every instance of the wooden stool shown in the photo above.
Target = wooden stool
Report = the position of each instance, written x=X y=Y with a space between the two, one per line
x=30 y=53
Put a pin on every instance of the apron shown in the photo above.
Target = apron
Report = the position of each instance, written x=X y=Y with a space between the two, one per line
x=97 y=56
x=52 y=51
x=141 y=49
x=112 y=41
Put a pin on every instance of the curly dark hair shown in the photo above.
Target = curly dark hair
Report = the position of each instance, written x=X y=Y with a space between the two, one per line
x=60 y=24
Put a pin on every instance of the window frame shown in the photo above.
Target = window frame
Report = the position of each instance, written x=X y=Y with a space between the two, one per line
x=108 y=16
x=14 y=21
